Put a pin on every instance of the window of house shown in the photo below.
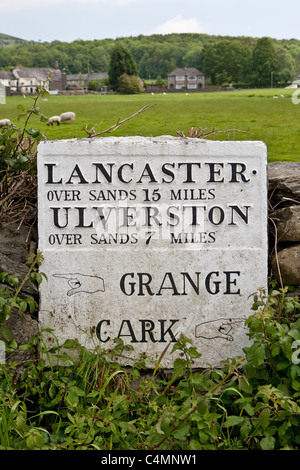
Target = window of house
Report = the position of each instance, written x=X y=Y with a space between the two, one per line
x=192 y=77
x=171 y=79
x=179 y=86
x=180 y=78
x=191 y=85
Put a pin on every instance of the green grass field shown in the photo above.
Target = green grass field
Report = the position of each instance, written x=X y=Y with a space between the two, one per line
x=274 y=121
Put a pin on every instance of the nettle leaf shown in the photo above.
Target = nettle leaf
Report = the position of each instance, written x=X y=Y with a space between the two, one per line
x=294 y=333
x=193 y=353
x=34 y=110
x=31 y=303
x=6 y=333
x=33 y=133
x=234 y=421
x=246 y=428
x=12 y=280
x=256 y=354
x=23 y=306
x=163 y=426
x=43 y=118
x=181 y=433
x=264 y=418
x=267 y=443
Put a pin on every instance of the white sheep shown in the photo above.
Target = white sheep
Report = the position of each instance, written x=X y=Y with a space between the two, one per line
x=52 y=120
x=5 y=122
x=69 y=116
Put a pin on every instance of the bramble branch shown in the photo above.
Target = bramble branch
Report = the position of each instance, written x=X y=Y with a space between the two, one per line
x=115 y=126
x=200 y=133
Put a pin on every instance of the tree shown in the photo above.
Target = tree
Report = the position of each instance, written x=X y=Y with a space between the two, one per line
x=99 y=59
x=226 y=61
x=121 y=63
x=263 y=63
x=194 y=57
x=286 y=70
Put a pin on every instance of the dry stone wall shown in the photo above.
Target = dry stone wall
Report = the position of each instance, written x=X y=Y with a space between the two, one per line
x=284 y=222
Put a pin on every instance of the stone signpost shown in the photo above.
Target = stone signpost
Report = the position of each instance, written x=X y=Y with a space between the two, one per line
x=147 y=238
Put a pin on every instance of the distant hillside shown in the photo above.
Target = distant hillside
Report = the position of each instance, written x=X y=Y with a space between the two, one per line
x=7 y=41
x=157 y=55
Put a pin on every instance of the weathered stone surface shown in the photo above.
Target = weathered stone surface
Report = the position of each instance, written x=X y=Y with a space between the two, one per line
x=14 y=242
x=284 y=180
x=289 y=265
x=22 y=328
x=11 y=266
x=147 y=238
x=287 y=221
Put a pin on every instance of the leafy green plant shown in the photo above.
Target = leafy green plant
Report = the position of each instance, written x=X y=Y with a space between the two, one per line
x=18 y=145
x=18 y=151
x=10 y=293
x=93 y=402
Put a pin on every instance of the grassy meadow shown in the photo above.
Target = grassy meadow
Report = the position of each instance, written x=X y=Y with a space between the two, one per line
x=276 y=121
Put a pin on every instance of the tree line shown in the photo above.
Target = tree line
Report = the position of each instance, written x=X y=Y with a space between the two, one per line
x=223 y=59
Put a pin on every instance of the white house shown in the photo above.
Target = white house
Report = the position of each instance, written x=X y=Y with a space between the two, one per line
x=8 y=79
x=188 y=78
x=26 y=80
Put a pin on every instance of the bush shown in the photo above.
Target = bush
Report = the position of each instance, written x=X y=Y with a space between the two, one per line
x=92 y=402
x=129 y=84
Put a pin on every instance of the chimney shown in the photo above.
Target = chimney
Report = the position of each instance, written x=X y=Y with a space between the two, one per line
x=56 y=64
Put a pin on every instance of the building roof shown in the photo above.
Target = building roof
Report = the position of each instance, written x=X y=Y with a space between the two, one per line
x=185 y=71
x=86 y=76
x=38 y=73
x=6 y=75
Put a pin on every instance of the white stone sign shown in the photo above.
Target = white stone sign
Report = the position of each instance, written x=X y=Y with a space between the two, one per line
x=147 y=238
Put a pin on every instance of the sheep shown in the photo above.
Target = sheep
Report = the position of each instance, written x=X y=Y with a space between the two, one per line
x=69 y=116
x=52 y=120
x=5 y=122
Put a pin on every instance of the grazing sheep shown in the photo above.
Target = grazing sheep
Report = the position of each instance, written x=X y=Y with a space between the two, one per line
x=52 y=120
x=5 y=122
x=67 y=116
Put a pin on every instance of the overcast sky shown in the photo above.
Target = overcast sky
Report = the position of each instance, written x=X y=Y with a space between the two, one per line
x=68 y=20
